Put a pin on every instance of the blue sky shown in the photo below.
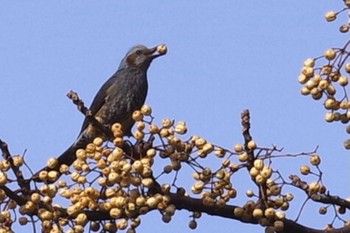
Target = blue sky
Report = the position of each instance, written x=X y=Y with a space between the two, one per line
x=224 y=56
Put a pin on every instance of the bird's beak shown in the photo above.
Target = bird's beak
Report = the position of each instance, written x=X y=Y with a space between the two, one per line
x=157 y=51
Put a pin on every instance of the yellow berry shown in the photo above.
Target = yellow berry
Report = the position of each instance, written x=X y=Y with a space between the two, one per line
x=90 y=148
x=344 y=104
x=5 y=165
x=302 y=79
x=116 y=155
x=115 y=213
x=289 y=197
x=200 y=142
x=151 y=152
x=347 y=144
x=330 y=54
x=249 y=193
x=35 y=198
x=167 y=123
x=198 y=187
x=52 y=175
x=330 y=16
x=310 y=62
x=137 y=166
x=266 y=172
x=305 y=170
x=81 y=179
x=219 y=152
x=238 y=212
x=323 y=84
x=253 y=172
x=45 y=215
x=146 y=110
x=18 y=160
x=327 y=69
x=98 y=141
x=314 y=91
x=117 y=130
x=162 y=49
x=243 y=157
x=310 y=84
x=307 y=71
x=334 y=76
x=43 y=175
x=137 y=115
x=343 y=81
x=153 y=129
x=331 y=103
x=122 y=224
x=285 y=206
x=315 y=160
x=270 y=213
x=258 y=213
x=140 y=125
x=208 y=148
x=275 y=190
x=238 y=148
x=139 y=135
x=147 y=182
x=81 y=219
x=347 y=67
x=280 y=215
x=258 y=164
x=232 y=193
x=305 y=91
x=81 y=154
x=164 y=132
x=252 y=145
x=118 y=141
x=317 y=79
x=344 y=28
x=329 y=117
x=259 y=179
x=316 y=94
x=270 y=182
x=181 y=128
x=331 y=90
x=314 y=187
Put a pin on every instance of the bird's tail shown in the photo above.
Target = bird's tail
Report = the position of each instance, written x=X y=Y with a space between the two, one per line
x=67 y=157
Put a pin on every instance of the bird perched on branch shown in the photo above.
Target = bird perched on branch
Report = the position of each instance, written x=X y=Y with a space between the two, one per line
x=117 y=99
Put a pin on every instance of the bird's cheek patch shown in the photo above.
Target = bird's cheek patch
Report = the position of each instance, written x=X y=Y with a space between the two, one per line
x=131 y=59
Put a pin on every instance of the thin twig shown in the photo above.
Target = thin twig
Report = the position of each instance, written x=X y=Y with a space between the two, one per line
x=87 y=113
x=18 y=173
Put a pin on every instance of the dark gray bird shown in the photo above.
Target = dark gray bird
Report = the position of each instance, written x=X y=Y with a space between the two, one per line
x=117 y=99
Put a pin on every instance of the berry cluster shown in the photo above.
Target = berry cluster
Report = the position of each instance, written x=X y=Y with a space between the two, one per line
x=109 y=186
x=327 y=77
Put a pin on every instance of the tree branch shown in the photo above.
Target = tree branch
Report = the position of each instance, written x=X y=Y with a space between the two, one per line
x=328 y=199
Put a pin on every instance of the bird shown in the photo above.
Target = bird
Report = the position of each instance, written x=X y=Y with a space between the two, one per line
x=123 y=93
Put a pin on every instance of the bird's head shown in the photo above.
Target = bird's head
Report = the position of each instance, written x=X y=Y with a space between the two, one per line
x=141 y=57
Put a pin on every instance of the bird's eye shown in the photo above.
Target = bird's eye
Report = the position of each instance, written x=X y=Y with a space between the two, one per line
x=138 y=52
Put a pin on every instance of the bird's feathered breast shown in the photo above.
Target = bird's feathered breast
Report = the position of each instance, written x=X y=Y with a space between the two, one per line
x=119 y=96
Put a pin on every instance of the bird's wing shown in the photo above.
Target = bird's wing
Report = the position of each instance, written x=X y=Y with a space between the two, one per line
x=99 y=100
